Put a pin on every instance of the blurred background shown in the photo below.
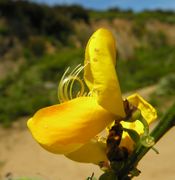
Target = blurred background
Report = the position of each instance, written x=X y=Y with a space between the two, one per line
x=39 y=39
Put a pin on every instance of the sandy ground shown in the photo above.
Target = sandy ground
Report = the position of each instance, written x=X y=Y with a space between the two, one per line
x=20 y=155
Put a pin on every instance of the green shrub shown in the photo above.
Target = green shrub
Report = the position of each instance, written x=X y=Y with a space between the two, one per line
x=28 y=90
x=166 y=85
x=4 y=30
x=37 y=45
x=148 y=67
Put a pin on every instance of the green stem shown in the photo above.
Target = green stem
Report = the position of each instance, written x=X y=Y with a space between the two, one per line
x=146 y=126
x=165 y=124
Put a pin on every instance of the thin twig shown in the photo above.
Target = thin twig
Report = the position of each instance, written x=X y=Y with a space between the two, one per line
x=165 y=124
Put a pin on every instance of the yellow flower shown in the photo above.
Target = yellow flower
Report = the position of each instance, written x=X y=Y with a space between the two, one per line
x=147 y=112
x=65 y=128
x=70 y=128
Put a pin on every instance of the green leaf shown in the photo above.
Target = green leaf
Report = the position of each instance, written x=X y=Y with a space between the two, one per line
x=117 y=165
x=147 y=141
x=25 y=178
x=133 y=134
x=135 y=172
x=92 y=177
x=108 y=176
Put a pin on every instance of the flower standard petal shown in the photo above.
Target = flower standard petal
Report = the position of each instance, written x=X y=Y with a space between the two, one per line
x=65 y=127
x=100 y=74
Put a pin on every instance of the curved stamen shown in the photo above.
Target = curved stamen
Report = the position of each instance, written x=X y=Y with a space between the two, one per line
x=75 y=77
x=61 y=96
x=65 y=88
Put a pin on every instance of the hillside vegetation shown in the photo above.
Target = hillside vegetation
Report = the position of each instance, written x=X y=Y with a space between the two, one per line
x=39 y=42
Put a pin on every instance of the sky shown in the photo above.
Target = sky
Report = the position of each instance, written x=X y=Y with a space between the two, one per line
x=137 y=5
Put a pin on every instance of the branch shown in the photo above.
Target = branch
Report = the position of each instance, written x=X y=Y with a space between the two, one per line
x=165 y=124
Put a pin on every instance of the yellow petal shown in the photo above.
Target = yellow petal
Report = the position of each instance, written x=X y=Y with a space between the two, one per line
x=100 y=74
x=126 y=139
x=146 y=109
x=65 y=127
x=147 y=112
x=92 y=152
